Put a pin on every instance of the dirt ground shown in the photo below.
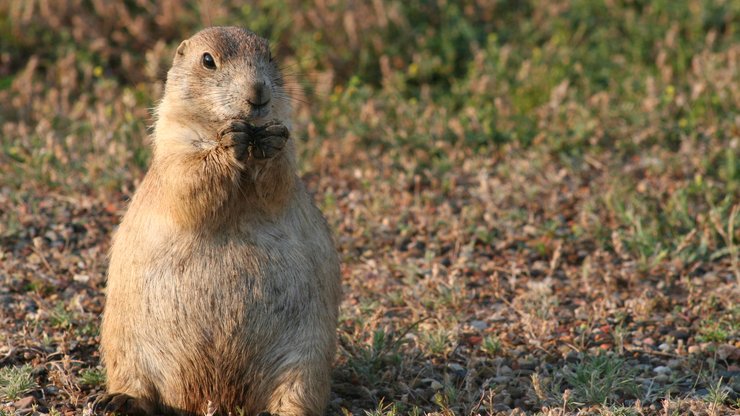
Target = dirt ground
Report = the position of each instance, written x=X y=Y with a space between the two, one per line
x=537 y=204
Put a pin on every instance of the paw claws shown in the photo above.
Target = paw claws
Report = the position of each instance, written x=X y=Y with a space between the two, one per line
x=264 y=142
x=116 y=402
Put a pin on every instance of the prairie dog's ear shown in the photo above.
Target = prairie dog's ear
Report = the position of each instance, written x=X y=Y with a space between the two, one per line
x=181 y=49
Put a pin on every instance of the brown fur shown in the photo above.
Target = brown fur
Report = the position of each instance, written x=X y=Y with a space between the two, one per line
x=223 y=283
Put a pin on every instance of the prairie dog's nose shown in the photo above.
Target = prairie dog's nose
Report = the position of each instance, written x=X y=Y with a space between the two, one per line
x=259 y=94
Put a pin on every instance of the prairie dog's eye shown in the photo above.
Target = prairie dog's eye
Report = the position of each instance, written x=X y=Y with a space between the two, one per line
x=269 y=56
x=208 y=61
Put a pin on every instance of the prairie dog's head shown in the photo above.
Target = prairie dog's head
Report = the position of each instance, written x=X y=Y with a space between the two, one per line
x=224 y=73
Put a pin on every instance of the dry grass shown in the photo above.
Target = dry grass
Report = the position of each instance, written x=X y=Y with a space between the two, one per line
x=537 y=203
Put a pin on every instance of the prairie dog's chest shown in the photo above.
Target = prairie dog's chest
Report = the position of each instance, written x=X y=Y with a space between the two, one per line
x=235 y=278
x=256 y=253
x=237 y=266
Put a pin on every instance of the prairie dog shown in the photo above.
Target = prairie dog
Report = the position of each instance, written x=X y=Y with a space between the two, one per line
x=223 y=283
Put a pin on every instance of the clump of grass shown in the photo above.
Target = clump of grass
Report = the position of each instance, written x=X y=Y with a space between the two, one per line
x=712 y=330
x=61 y=317
x=713 y=333
x=15 y=381
x=368 y=360
x=717 y=394
x=601 y=380
x=92 y=377
x=383 y=409
x=436 y=342
x=491 y=345
x=445 y=399
x=619 y=411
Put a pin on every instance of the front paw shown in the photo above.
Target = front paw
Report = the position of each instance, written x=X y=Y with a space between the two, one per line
x=236 y=135
x=118 y=403
x=269 y=140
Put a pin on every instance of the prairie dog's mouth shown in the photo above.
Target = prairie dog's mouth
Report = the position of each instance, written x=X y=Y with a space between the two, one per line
x=256 y=115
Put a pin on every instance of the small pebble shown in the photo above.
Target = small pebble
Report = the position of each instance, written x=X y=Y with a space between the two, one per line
x=479 y=325
x=515 y=392
x=661 y=378
x=674 y=364
x=459 y=370
x=501 y=379
x=82 y=278
x=24 y=403
x=680 y=334
x=694 y=349
x=728 y=352
x=664 y=347
x=662 y=369
x=527 y=364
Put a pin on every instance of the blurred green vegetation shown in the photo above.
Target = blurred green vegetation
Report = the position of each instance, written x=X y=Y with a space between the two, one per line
x=646 y=91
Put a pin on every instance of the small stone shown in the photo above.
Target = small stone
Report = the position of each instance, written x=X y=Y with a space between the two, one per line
x=674 y=364
x=662 y=370
x=648 y=341
x=436 y=385
x=527 y=364
x=711 y=277
x=82 y=278
x=728 y=375
x=680 y=334
x=501 y=379
x=459 y=370
x=661 y=378
x=728 y=352
x=479 y=325
x=504 y=369
x=644 y=368
x=6 y=300
x=24 y=403
x=515 y=392
x=664 y=347
x=518 y=351
x=694 y=349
